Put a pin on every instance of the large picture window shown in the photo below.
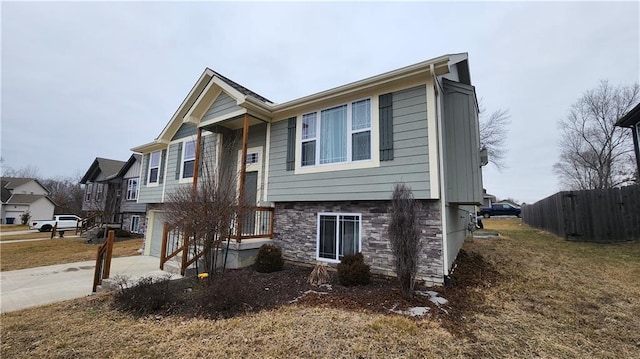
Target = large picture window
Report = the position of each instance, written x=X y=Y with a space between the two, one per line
x=188 y=159
x=132 y=189
x=339 y=234
x=154 y=167
x=337 y=135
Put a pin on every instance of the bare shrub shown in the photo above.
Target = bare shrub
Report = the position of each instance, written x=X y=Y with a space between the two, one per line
x=146 y=296
x=319 y=275
x=404 y=237
x=207 y=211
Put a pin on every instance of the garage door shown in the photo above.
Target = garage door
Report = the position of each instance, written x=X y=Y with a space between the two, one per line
x=156 y=233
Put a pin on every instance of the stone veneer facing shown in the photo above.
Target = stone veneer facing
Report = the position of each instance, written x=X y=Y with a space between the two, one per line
x=296 y=225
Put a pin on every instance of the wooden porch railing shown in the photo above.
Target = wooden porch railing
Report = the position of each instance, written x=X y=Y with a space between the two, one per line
x=103 y=261
x=86 y=224
x=255 y=222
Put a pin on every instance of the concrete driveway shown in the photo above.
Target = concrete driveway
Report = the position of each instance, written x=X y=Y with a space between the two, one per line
x=31 y=287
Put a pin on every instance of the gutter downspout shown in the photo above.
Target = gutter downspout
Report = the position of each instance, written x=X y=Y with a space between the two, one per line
x=443 y=206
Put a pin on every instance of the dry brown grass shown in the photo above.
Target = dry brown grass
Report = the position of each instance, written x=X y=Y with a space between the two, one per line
x=4 y=228
x=558 y=298
x=554 y=299
x=31 y=254
x=34 y=235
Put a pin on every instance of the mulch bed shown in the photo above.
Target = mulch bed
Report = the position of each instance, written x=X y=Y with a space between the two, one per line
x=242 y=291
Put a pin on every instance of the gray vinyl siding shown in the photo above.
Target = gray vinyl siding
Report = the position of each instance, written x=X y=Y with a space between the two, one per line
x=130 y=205
x=148 y=194
x=457 y=224
x=174 y=161
x=461 y=144
x=409 y=165
x=257 y=138
x=223 y=105
x=186 y=130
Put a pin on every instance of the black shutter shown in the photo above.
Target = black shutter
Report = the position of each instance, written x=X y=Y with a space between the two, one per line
x=201 y=168
x=386 y=127
x=179 y=160
x=291 y=144
x=145 y=169
x=163 y=158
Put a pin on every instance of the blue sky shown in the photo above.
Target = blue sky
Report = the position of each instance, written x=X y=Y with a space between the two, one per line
x=85 y=80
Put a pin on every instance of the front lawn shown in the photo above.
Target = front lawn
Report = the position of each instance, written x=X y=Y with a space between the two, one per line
x=29 y=254
x=523 y=294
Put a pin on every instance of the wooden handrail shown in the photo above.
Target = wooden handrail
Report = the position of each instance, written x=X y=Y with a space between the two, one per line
x=173 y=248
x=103 y=261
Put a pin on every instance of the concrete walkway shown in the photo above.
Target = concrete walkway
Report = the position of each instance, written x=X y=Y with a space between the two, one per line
x=31 y=287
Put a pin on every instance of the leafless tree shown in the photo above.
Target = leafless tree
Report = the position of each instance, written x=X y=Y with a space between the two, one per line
x=595 y=154
x=493 y=134
x=66 y=192
x=28 y=171
x=404 y=236
x=207 y=212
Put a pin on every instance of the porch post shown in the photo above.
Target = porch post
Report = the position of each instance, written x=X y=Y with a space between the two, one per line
x=243 y=170
x=196 y=164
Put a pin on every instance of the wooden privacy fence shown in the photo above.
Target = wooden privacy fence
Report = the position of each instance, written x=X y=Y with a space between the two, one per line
x=607 y=215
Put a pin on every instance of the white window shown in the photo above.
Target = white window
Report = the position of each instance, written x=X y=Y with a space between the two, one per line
x=89 y=190
x=337 y=135
x=188 y=159
x=339 y=234
x=154 y=167
x=252 y=158
x=135 y=224
x=99 y=192
x=132 y=189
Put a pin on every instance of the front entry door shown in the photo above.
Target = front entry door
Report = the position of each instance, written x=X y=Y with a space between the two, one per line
x=250 y=200
x=251 y=188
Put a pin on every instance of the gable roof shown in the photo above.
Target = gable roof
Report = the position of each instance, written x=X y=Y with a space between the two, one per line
x=6 y=193
x=11 y=183
x=266 y=109
x=243 y=90
x=631 y=118
x=110 y=169
x=134 y=157
x=27 y=198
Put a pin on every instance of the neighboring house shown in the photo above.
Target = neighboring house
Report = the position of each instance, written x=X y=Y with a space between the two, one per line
x=111 y=193
x=25 y=195
x=326 y=164
x=487 y=199
x=632 y=121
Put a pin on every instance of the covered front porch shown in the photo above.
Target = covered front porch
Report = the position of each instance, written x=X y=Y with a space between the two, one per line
x=246 y=223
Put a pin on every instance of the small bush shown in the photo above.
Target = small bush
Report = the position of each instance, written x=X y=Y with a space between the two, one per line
x=353 y=271
x=269 y=259
x=224 y=298
x=120 y=233
x=24 y=218
x=147 y=296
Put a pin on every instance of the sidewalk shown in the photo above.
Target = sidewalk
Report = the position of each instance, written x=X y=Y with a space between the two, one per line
x=31 y=287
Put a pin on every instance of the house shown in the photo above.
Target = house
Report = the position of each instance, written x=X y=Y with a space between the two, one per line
x=318 y=171
x=632 y=121
x=111 y=193
x=487 y=198
x=25 y=195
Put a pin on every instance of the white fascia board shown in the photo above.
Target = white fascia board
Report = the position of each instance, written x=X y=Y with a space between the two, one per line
x=204 y=77
x=151 y=146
